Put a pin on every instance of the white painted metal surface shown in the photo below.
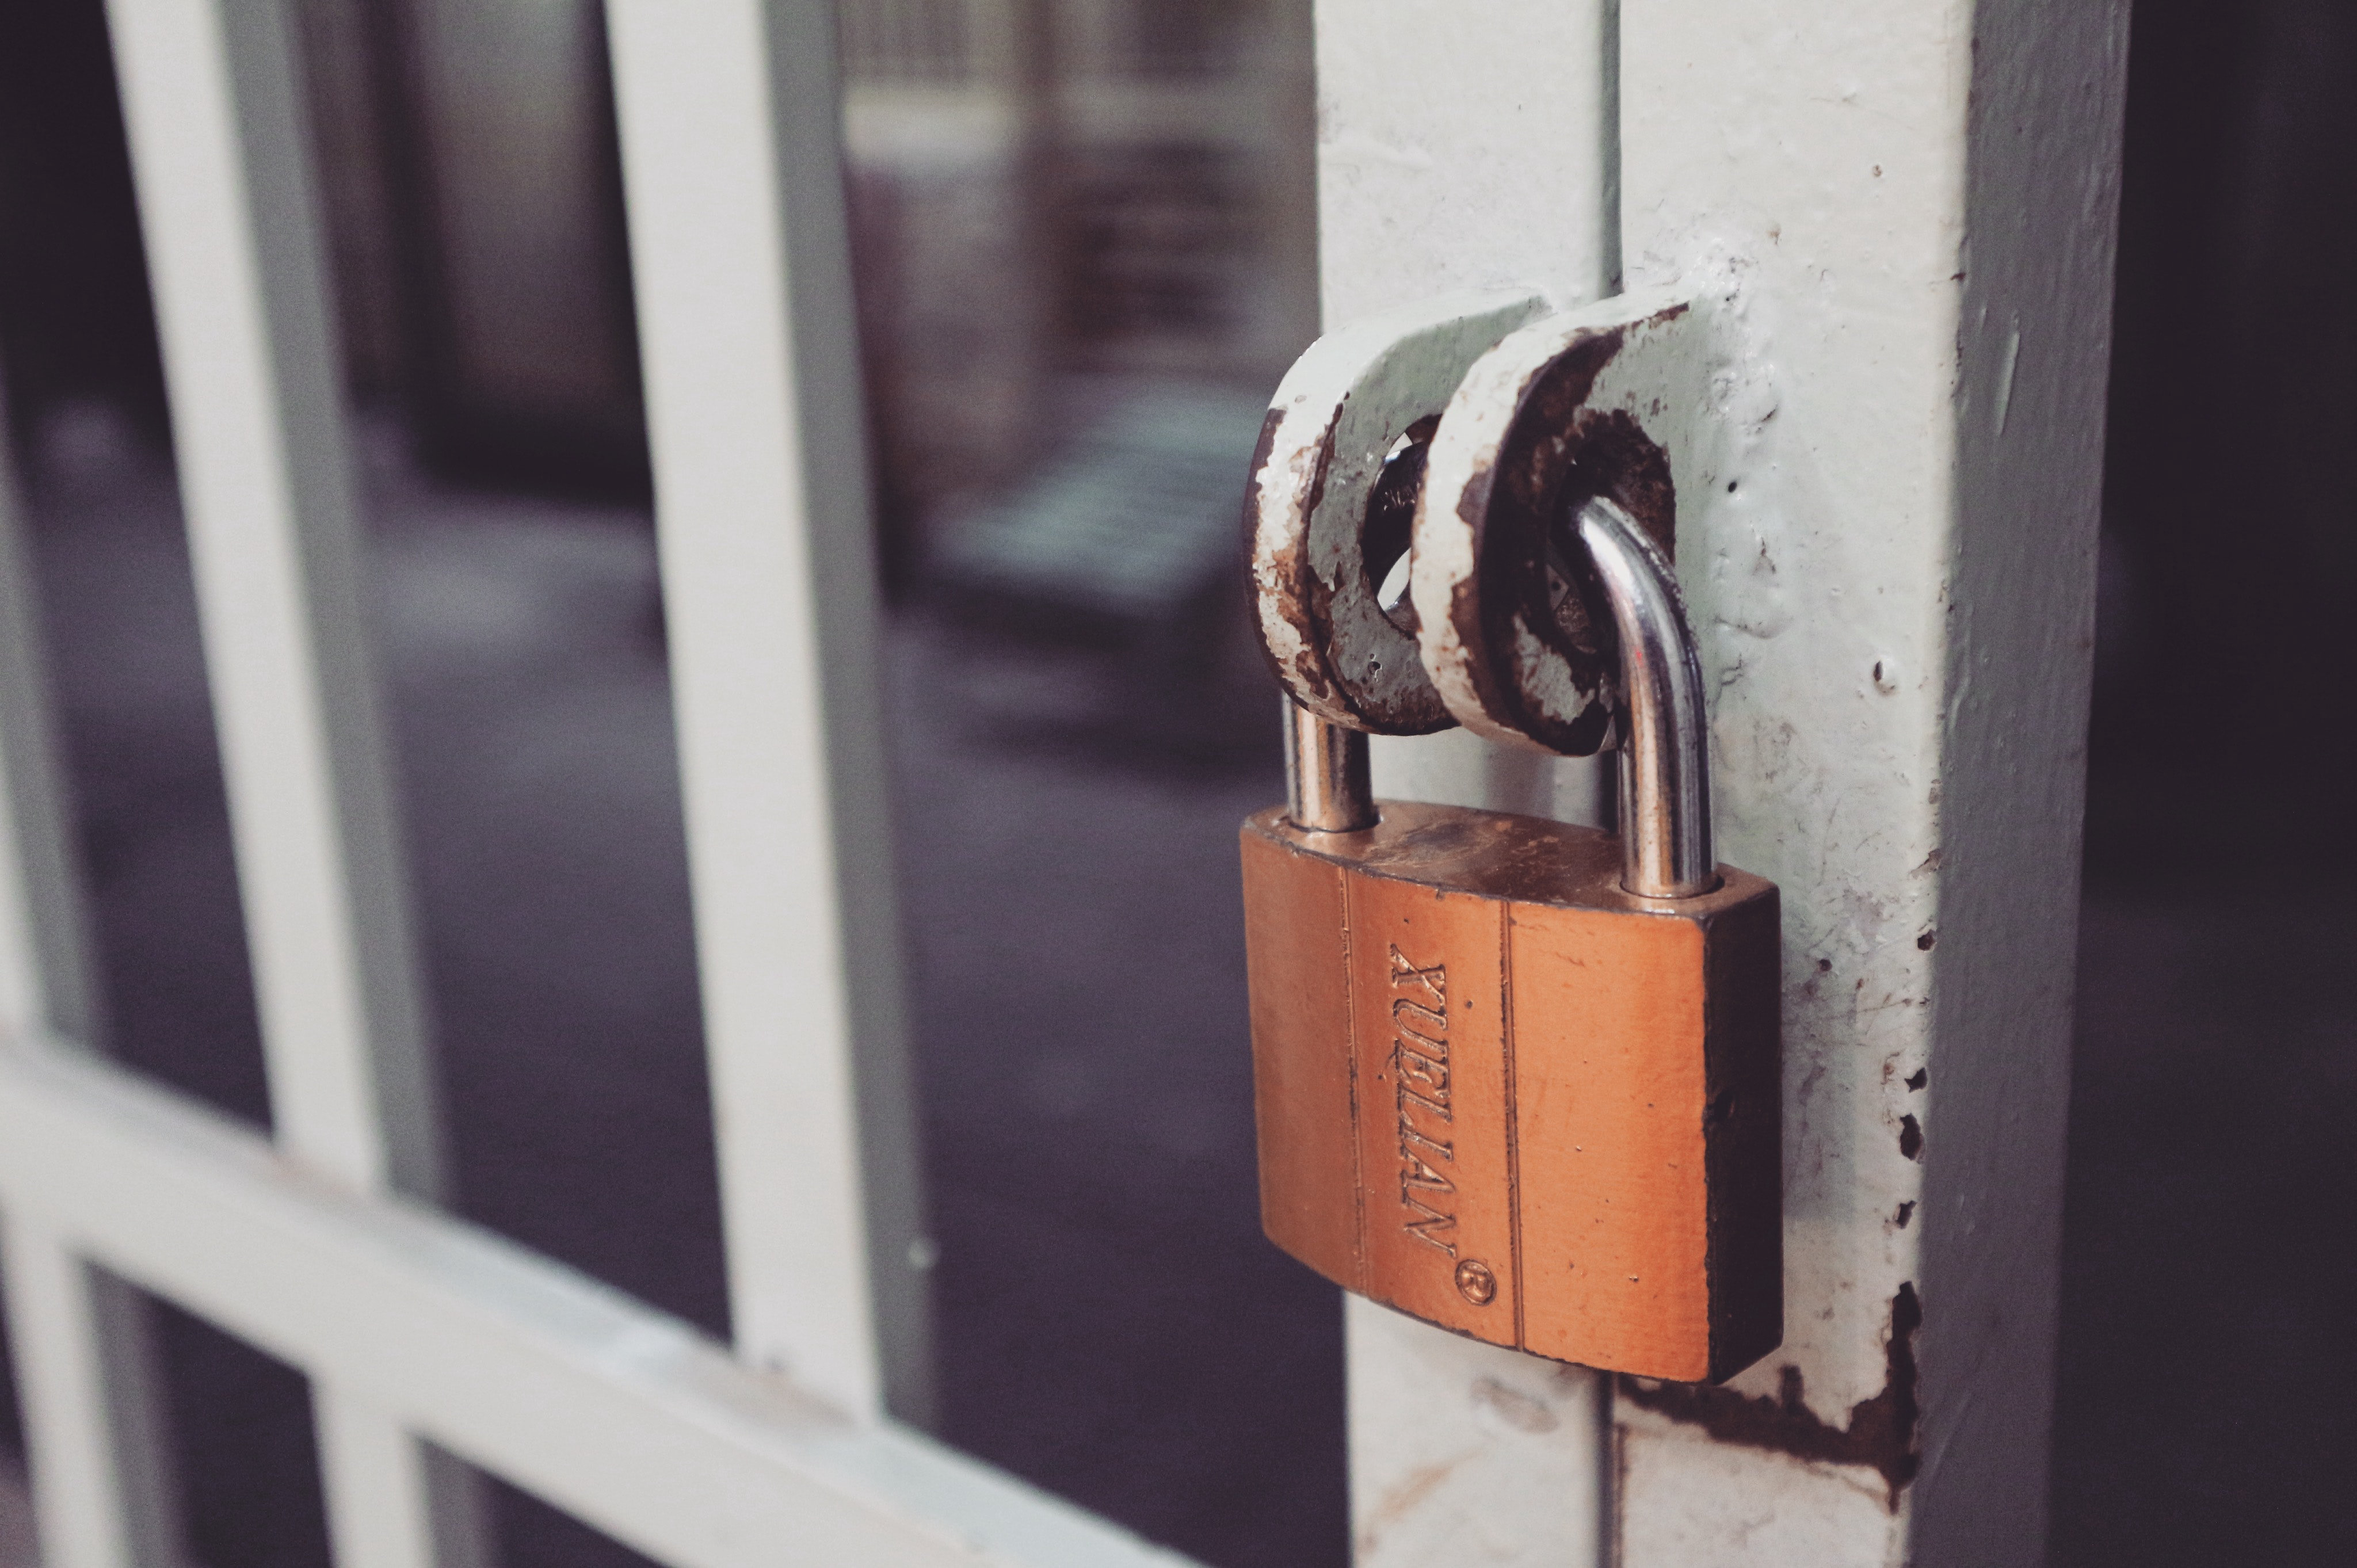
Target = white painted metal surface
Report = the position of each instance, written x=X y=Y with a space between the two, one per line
x=227 y=208
x=1902 y=221
x=391 y=1499
x=1510 y=685
x=221 y=160
x=628 y=1418
x=1463 y=144
x=737 y=244
x=87 y=1383
x=45 y=974
x=1916 y=237
x=1333 y=423
x=1466 y=1453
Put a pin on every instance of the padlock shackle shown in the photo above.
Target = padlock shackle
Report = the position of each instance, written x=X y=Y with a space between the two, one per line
x=1665 y=840
x=1328 y=787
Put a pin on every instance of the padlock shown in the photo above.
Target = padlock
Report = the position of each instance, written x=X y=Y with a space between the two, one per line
x=1521 y=1078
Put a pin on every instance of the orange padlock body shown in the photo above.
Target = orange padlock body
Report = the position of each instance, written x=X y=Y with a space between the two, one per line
x=1501 y=1095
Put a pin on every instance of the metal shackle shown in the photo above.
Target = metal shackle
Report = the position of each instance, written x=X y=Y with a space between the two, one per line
x=1332 y=442
x=1328 y=780
x=1665 y=840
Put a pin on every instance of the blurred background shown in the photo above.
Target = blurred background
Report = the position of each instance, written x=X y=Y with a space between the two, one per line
x=1085 y=245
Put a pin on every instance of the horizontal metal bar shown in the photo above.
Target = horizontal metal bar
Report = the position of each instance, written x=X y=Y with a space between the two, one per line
x=626 y=1417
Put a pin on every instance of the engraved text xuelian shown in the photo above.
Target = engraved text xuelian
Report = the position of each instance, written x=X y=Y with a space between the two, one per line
x=1419 y=1062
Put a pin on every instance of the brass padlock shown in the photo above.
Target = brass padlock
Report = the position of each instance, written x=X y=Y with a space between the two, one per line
x=1521 y=1078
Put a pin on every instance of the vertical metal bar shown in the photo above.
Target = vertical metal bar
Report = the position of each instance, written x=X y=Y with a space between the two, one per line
x=93 y=1409
x=1461 y=144
x=1908 y=211
x=739 y=250
x=220 y=156
x=393 y=1502
x=231 y=224
x=47 y=978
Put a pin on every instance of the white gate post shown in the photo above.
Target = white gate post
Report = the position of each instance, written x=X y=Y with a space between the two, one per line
x=1907 y=213
x=213 y=105
x=1903 y=215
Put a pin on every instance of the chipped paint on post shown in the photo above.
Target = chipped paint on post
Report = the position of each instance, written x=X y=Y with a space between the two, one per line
x=1897 y=220
x=1881 y=1434
x=1896 y=594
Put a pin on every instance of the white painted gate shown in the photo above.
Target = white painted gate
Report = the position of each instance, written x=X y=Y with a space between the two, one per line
x=1905 y=209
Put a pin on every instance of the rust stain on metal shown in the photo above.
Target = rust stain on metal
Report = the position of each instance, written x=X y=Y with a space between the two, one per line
x=1882 y=1434
x=1261 y=450
x=1526 y=584
x=1391 y=514
x=1312 y=596
x=1372 y=662
x=1288 y=571
x=1337 y=665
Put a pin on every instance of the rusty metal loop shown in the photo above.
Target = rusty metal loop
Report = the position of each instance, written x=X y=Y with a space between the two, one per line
x=1513 y=625
x=1332 y=469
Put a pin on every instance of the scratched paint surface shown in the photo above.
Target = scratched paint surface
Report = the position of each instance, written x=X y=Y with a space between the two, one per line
x=1898 y=588
x=1898 y=220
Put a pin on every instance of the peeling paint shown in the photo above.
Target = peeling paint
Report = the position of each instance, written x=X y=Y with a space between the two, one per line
x=1318 y=476
x=1882 y=1434
x=1599 y=402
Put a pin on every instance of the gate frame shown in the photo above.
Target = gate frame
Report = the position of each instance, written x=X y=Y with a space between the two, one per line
x=1905 y=217
x=1911 y=229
